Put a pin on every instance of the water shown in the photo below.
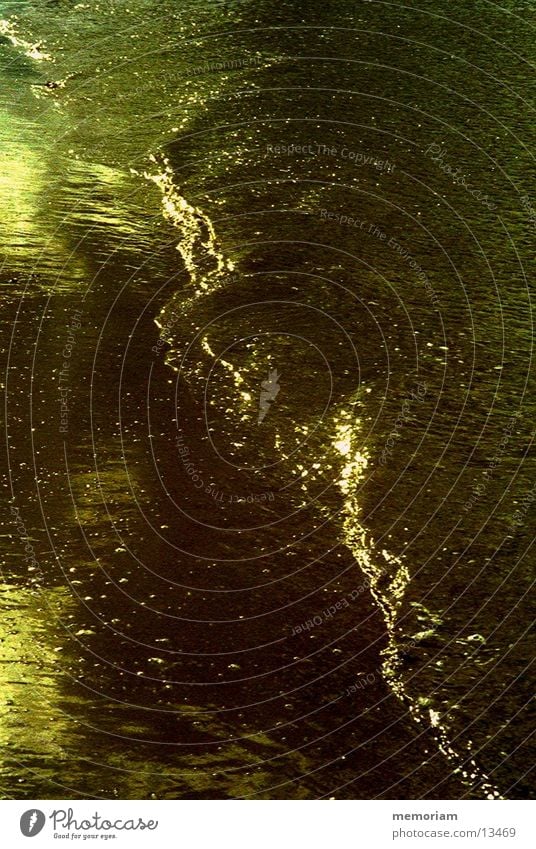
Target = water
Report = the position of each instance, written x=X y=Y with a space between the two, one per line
x=270 y=472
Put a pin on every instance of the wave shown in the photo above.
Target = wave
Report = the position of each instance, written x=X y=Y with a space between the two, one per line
x=389 y=578
x=33 y=50
x=194 y=310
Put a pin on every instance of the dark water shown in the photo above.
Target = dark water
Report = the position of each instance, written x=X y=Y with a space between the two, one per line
x=230 y=410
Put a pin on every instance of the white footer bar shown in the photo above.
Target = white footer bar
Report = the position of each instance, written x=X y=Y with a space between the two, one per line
x=276 y=824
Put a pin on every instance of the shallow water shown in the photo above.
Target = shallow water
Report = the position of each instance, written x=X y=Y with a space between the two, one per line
x=270 y=472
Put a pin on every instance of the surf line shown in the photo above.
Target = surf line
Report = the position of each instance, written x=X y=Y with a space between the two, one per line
x=198 y=245
x=32 y=51
x=387 y=583
x=207 y=267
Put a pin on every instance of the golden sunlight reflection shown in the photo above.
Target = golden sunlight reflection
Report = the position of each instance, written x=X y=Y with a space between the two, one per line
x=33 y=51
x=198 y=245
x=31 y=237
x=22 y=181
x=97 y=497
x=31 y=718
x=388 y=580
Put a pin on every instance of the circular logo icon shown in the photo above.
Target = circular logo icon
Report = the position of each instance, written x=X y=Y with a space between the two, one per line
x=31 y=822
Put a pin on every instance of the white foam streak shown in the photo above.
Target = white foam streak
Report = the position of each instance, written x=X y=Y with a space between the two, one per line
x=388 y=582
x=33 y=51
